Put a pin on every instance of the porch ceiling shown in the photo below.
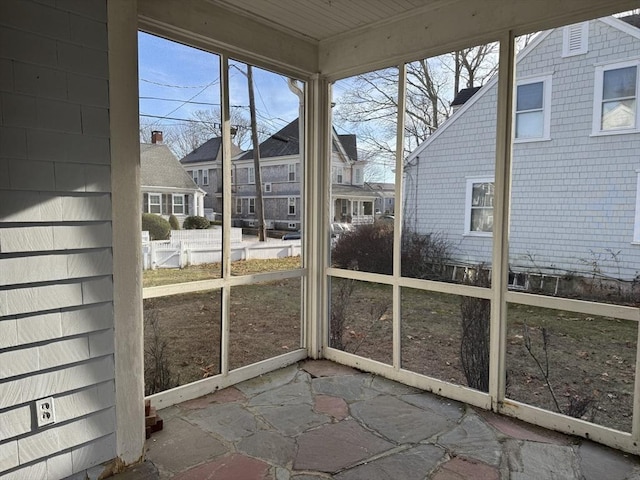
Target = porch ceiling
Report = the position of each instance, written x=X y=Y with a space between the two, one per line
x=338 y=38
x=320 y=20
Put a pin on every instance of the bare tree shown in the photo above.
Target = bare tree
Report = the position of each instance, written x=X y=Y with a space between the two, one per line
x=202 y=126
x=369 y=105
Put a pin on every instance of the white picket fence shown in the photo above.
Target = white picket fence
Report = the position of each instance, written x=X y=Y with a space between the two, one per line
x=196 y=247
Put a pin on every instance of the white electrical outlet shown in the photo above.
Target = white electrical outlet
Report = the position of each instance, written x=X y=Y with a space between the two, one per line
x=45 y=412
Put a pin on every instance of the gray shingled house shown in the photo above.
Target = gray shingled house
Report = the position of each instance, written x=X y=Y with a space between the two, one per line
x=575 y=202
x=353 y=199
x=204 y=164
x=167 y=189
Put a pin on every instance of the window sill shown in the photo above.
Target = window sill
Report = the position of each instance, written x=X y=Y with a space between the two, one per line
x=478 y=234
x=606 y=133
x=530 y=140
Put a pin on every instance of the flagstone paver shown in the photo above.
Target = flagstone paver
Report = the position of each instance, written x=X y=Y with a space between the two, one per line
x=411 y=464
x=472 y=438
x=325 y=368
x=270 y=446
x=465 y=469
x=333 y=406
x=333 y=447
x=397 y=420
x=233 y=467
x=195 y=445
x=230 y=421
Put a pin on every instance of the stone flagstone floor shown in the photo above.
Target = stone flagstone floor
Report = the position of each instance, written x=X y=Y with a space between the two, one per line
x=319 y=420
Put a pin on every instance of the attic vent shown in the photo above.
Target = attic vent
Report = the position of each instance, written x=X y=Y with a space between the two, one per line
x=575 y=39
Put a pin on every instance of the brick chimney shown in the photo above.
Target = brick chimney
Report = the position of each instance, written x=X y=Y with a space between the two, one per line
x=156 y=137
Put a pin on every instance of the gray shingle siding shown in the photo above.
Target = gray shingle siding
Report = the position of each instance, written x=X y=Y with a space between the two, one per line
x=573 y=197
x=56 y=317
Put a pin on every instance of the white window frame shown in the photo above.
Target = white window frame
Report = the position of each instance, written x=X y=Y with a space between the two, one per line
x=159 y=204
x=571 y=33
x=183 y=205
x=468 y=207
x=267 y=187
x=205 y=176
x=194 y=175
x=292 y=172
x=252 y=205
x=339 y=175
x=546 y=108
x=238 y=206
x=598 y=85
x=291 y=202
x=233 y=177
x=251 y=175
x=636 y=223
x=358 y=175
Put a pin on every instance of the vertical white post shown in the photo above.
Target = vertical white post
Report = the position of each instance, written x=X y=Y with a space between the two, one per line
x=122 y=24
x=397 y=226
x=226 y=213
x=316 y=238
x=500 y=264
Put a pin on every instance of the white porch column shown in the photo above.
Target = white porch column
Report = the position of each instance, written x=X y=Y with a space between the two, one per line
x=127 y=229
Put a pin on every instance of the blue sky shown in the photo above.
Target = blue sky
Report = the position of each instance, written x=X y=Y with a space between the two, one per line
x=188 y=80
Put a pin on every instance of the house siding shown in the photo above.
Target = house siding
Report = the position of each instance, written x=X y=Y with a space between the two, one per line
x=573 y=197
x=56 y=287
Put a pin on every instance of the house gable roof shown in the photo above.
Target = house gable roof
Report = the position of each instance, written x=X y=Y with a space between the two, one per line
x=464 y=95
x=159 y=167
x=209 y=151
x=286 y=142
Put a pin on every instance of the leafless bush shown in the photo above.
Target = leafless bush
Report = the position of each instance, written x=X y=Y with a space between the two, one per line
x=474 y=344
x=157 y=370
x=340 y=299
x=578 y=406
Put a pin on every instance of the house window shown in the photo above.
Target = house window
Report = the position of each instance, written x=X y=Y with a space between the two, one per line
x=155 y=203
x=358 y=176
x=338 y=174
x=205 y=177
x=252 y=174
x=252 y=205
x=479 y=211
x=238 y=205
x=292 y=172
x=292 y=205
x=615 y=103
x=178 y=204
x=267 y=187
x=575 y=39
x=232 y=177
x=194 y=174
x=533 y=105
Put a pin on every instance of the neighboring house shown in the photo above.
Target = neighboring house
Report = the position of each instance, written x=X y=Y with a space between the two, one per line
x=385 y=202
x=576 y=159
x=353 y=200
x=167 y=189
x=204 y=165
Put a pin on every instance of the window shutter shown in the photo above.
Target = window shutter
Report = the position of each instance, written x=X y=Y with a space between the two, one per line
x=187 y=201
x=145 y=203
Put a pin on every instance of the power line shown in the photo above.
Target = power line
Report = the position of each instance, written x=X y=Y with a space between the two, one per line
x=172 y=86
x=190 y=102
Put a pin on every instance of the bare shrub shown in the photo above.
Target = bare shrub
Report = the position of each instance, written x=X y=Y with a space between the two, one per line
x=474 y=344
x=157 y=370
x=340 y=299
x=578 y=406
x=369 y=248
